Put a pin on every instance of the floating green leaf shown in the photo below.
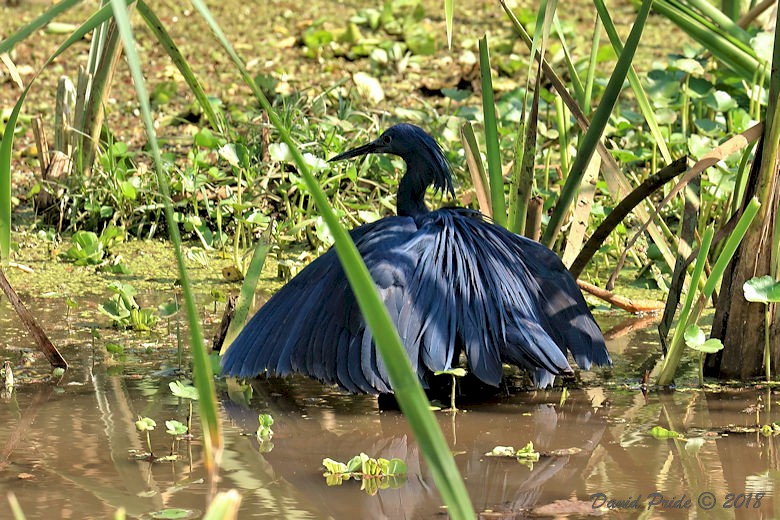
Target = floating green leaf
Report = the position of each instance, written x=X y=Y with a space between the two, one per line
x=659 y=432
x=145 y=424
x=175 y=428
x=183 y=391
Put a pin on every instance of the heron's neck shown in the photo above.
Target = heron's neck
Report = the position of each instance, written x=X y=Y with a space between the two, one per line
x=410 y=201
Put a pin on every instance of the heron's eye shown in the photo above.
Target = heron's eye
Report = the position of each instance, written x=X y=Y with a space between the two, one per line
x=386 y=139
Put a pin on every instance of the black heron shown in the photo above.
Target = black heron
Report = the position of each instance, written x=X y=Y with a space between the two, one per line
x=451 y=280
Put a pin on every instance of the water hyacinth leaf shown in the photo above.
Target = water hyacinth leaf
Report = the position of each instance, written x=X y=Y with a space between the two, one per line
x=228 y=152
x=129 y=191
x=279 y=152
x=501 y=451
x=720 y=101
x=144 y=424
x=166 y=310
x=205 y=138
x=334 y=467
x=456 y=94
x=355 y=463
x=175 y=428
x=762 y=289
x=710 y=346
x=396 y=467
x=527 y=452
x=689 y=66
x=183 y=391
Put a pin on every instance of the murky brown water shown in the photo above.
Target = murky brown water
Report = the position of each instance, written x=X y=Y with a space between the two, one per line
x=65 y=447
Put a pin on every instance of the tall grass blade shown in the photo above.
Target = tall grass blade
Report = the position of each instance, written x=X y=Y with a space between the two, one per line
x=590 y=78
x=246 y=295
x=591 y=138
x=202 y=374
x=645 y=107
x=224 y=506
x=162 y=35
x=449 y=10
x=476 y=168
x=721 y=20
x=498 y=201
x=672 y=359
x=576 y=82
x=16 y=509
x=522 y=183
x=404 y=381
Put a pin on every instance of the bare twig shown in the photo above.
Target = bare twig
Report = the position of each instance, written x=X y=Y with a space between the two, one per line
x=46 y=346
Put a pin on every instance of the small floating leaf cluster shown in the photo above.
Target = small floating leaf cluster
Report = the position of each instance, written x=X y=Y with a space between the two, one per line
x=264 y=432
x=525 y=455
x=374 y=474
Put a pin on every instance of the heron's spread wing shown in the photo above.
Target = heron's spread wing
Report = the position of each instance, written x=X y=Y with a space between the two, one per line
x=449 y=281
x=564 y=311
x=313 y=324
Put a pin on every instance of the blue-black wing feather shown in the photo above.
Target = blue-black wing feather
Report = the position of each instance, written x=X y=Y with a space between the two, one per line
x=450 y=280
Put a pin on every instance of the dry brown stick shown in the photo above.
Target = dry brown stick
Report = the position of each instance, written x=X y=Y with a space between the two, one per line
x=625 y=207
x=227 y=317
x=755 y=13
x=43 y=145
x=627 y=304
x=46 y=346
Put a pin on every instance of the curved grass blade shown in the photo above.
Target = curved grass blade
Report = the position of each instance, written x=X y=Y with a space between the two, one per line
x=593 y=135
x=449 y=10
x=156 y=26
x=202 y=374
x=246 y=294
x=498 y=201
x=641 y=97
x=404 y=381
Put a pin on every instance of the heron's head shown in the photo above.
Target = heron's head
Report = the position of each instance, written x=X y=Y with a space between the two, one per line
x=420 y=151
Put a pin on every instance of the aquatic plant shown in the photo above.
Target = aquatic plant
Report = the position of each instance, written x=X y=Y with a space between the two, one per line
x=145 y=425
x=374 y=474
x=124 y=311
x=176 y=430
x=188 y=392
x=455 y=373
x=697 y=340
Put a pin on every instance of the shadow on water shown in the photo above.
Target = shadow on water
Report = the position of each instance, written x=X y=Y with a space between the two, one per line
x=65 y=447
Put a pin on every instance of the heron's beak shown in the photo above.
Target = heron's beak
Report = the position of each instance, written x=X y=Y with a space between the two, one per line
x=372 y=147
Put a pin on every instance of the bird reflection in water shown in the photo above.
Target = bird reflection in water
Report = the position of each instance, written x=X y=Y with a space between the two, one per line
x=308 y=429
